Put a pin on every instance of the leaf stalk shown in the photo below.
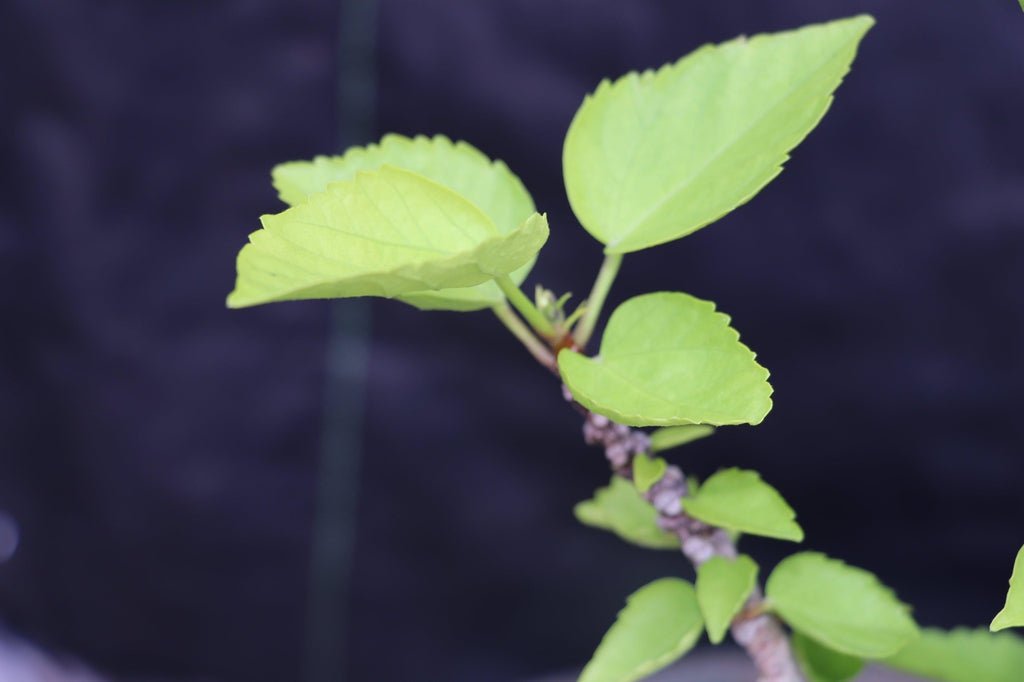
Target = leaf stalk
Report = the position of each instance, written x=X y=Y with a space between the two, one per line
x=598 y=294
x=538 y=349
x=526 y=308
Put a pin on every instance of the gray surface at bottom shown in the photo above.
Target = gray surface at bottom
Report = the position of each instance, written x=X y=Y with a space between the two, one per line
x=727 y=666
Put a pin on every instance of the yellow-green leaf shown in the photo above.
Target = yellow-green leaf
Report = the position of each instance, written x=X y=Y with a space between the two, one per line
x=842 y=607
x=962 y=655
x=739 y=500
x=723 y=586
x=1012 y=615
x=619 y=508
x=822 y=664
x=491 y=186
x=385 y=233
x=674 y=436
x=668 y=359
x=660 y=623
x=647 y=471
x=655 y=156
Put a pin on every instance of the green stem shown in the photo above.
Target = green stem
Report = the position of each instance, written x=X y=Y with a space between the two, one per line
x=525 y=307
x=603 y=283
x=538 y=349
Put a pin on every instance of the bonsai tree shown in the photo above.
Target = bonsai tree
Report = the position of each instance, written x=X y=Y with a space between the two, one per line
x=649 y=158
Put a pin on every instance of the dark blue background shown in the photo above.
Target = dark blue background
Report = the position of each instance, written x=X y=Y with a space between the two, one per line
x=159 y=452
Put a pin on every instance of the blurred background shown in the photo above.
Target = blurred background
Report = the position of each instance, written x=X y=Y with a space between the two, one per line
x=362 y=491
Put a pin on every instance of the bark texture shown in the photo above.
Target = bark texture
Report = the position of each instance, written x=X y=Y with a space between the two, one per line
x=760 y=634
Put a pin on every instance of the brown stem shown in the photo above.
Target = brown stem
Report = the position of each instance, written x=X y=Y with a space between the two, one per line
x=759 y=633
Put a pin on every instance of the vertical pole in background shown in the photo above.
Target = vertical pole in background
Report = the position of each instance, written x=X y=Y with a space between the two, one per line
x=337 y=481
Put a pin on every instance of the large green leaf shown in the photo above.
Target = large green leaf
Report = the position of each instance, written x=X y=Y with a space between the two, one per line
x=962 y=655
x=619 y=508
x=491 y=186
x=723 y=586
x=386 y=232
x=739 y=500
x=655 y=156
x=674 y=436
x=660 y=623
x=1012 y=615
x=822 y=664
x=842 y=607
x=668 y=359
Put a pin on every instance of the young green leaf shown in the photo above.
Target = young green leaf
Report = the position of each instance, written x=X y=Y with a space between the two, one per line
x=1012 y=615
x=619 y=508
x=459 y=166
x=962 y=655
x=723 y=586
x=647 y=471
x=655 y=156
x=839 y=606
x=739 y=500
x=822 y=664
x=674 y=436
x=386 y=233
x=660 y=623
x=668 y=359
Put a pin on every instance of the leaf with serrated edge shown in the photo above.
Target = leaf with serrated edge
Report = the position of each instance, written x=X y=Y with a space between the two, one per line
x=655 y=156
x=821 y=664
x=675 y=436
x=723 y=586
x=667 y=359
x=843 y=607
x=739 y=500
x=660 y=623
x=647 y=471
x=1012 y=614
x=619 y=508
x=490 y=185
x=962 y=655
x=384 y=233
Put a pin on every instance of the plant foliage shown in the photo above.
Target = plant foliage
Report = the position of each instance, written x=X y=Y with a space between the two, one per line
x=660 y=623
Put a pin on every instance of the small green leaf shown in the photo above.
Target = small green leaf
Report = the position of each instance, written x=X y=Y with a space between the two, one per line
x=647 y=471
x=739 y=500
x=459 y=166
x=822 y=664
x=386 y=233
x=619 y=508
x=1012 y=615
x=962 y=655
x=668 y=359
x=660 y=623
x=839 y=606
x=655 y=156
x=673 y=436
x=723 y=586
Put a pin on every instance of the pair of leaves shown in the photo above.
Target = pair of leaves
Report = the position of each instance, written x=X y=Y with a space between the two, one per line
x=669 y=359
x=619 y=508
x=962 y=655
x=426 y=220
x=660 y=623
x=1012 y=614
x=655 y=156
x=844 y=608
x=647 y=159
